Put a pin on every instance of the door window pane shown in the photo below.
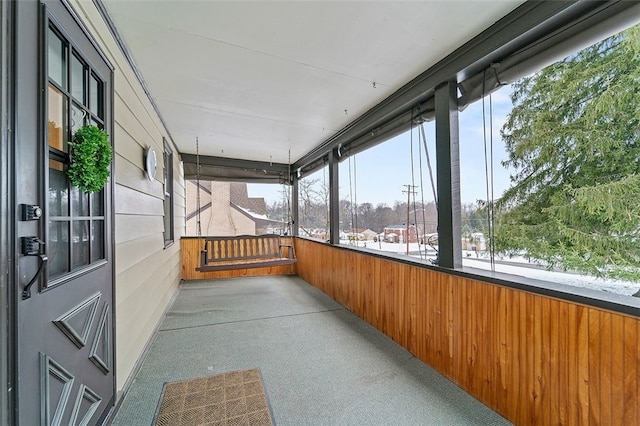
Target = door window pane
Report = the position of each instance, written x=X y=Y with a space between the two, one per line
x=97 y=203
x=57 y=59
x=97 y=240
x=80 y=243
x=78 y=80
x=79 y=203
x=57 y=128
x=95 y=97
x=58 y=248
x=78 y=116
x=58 y=190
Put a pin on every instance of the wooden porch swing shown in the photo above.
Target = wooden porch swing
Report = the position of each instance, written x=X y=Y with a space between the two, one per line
x=226 y=253
x=244 y=252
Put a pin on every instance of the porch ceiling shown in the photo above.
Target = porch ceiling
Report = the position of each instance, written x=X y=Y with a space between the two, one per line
x=255 y=80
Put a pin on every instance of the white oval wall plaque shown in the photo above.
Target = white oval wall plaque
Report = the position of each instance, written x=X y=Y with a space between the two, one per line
x=150 y=163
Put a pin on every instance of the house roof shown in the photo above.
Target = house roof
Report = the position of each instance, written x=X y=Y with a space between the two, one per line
x=255 y=216
x=240 y=196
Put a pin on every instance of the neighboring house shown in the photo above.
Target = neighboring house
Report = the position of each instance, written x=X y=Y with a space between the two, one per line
x=476 y=242
x=261 y=223
x=354 y=234
x=398 y=234
x=226 y=209
x=368 y=234
x=359 y=234
x=391 y=237
x=239 y=196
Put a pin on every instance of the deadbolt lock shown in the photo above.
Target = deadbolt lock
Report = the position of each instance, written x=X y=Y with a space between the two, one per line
x=30 y=212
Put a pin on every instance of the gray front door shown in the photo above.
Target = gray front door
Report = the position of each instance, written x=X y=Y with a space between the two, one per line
x=65 y=362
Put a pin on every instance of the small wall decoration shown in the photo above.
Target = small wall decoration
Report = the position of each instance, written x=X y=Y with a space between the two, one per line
x=150 y=163
x=90 y=159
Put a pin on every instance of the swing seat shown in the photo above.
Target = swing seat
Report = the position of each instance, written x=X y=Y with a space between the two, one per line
x=244 y=252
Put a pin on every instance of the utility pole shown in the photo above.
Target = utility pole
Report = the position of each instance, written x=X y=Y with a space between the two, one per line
x=410 y=191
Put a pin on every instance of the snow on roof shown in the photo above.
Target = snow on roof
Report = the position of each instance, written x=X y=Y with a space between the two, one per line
x=252 y=214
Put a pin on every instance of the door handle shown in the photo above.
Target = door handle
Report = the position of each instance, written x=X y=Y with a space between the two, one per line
x=30 y=246
x=26 y=291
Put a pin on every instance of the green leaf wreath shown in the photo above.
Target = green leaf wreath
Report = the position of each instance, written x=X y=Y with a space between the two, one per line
x=90 y=159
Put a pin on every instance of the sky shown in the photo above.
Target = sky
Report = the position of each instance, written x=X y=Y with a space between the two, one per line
x=379 y=173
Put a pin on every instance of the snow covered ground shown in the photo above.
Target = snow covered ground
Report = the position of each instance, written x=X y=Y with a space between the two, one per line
x=510 y=266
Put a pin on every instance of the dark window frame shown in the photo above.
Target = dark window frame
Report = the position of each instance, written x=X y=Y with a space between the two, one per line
x=72 y=50
x=169 y=238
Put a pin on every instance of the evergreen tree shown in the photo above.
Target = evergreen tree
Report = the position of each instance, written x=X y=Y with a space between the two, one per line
x=573 y=143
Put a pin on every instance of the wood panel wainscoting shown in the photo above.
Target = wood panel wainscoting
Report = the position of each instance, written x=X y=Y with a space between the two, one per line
x=190 y=248
x=534 y=359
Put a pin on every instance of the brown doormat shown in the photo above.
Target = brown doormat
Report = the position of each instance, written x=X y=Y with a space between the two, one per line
x=235 y=398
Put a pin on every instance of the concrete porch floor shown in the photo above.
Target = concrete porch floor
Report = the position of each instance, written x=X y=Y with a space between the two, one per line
x=321 y=364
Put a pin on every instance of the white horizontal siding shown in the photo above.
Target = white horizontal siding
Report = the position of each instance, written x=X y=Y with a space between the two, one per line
x=147 y=274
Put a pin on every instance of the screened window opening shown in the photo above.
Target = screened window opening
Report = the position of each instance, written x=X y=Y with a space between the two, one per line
x=220 y=208
x=313 y=205
x=550 y=172
x=387 y=196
